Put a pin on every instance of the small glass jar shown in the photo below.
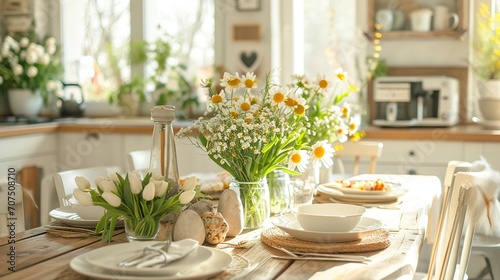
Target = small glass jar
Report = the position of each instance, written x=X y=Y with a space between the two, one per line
x=255 y=201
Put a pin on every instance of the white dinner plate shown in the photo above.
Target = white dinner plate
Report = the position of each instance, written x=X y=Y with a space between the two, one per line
x=110 y=256
x=67 y=215
x=214 y=265
x=347 y=197
x=289 y=224
x=392 y=188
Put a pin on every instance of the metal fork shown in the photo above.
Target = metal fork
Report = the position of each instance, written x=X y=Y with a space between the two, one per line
x=148 y=252
x=341 y=256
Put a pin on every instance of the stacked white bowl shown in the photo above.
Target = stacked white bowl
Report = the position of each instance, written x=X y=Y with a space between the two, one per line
x=489 y=100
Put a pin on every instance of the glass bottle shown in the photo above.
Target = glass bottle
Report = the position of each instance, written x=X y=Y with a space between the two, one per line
x=163 y=153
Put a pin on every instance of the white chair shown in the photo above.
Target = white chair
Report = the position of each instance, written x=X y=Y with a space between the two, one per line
x=458 y=214
x=352 y=152
x=11 y=208
x=139 y=160
x=358 y=150
x=487 y=247
x=65 y=181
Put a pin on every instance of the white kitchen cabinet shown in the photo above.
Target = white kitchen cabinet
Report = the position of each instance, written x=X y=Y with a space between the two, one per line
x=35 y=150
x=422 y=157
x=89 y=149
x=489 y=150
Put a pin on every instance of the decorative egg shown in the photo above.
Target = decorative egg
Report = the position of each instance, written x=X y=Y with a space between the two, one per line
x=189 y=225
x=215 y=227
x=201 y=207
x=232 y=210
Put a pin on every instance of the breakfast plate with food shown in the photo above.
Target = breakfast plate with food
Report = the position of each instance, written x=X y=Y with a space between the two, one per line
x=363 y=190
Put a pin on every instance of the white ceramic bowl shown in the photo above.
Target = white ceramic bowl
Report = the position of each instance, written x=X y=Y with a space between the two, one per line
x=490 y=108
x=329 y=217
x=91 y=213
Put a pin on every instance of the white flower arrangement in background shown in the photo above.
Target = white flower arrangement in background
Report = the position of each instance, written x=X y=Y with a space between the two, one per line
x=27 y=64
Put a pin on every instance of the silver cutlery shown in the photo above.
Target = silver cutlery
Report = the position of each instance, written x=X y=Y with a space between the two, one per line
x=147 y=253
x=321 y=256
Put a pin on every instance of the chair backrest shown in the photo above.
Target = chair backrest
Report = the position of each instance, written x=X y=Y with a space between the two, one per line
x=358 y=150
x=139 y=160
x=459 y=212
x=65 y=181
x=11 y=208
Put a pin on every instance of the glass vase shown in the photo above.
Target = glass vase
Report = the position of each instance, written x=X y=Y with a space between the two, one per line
x=141 y=229
x=279 y=192
x=255 y=201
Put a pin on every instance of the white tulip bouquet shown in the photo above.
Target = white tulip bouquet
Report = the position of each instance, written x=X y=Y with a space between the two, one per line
x=140 y=202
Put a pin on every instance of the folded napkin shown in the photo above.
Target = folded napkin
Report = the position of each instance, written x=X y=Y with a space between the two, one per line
x=177 y=250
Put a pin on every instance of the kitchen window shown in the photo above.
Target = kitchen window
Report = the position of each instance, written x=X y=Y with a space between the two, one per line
x=97 y=37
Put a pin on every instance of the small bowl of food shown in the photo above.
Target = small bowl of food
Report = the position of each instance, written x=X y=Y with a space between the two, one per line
x=329 y=217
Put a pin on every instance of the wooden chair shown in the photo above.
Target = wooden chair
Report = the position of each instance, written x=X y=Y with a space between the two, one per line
x=65 y=181
x=458 y=214
x=139 y=160
x=358 y=150
x=11 y=208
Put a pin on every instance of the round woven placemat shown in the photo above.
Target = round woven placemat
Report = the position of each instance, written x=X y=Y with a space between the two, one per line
x=371 y=241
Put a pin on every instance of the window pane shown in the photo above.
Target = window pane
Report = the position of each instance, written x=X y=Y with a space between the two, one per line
x=96 y=36
x=188 y=26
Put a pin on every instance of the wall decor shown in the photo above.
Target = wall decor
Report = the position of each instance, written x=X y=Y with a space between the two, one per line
x=248 y=5
x=249 y=61
x=246 y=32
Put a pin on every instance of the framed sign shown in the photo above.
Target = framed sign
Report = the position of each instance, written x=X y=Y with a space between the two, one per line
x=248 y=32
x=247 y=5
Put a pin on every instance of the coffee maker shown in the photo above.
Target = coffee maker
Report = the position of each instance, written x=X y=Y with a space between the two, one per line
x=413 y=101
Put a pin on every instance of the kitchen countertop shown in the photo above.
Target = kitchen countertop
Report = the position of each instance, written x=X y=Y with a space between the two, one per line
x=143 y=125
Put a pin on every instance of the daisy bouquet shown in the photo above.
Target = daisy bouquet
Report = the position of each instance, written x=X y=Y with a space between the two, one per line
x=328 y=117
x=250 y=132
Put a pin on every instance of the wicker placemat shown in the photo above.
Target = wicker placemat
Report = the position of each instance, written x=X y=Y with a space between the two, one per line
x=63 y=230
x=371 y=241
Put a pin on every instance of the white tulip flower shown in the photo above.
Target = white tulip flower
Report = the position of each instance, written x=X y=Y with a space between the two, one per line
x=17 y=69
x=1 y=78
x=113 y=177
x=24 y=42
x=22 y=55
x=50 y=41
x=40 y=50
x=112 y=199
x=108 y=186
x=135 y=183
x=32 y=71
x=82 y=183
x=51 y=50
x=149 y=191
x=190 y=183
x=160 y=188
x=82 y=197
x=5 y=52
x=186 y=197
x=45 y=59
x=98 y=180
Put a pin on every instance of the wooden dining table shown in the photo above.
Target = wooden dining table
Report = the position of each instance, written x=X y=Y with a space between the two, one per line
x=38 y=254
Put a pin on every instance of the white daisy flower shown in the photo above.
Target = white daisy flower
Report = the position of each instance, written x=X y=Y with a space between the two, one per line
x=322 y=154
x=249 y=80
x=298 y=159
x=341 y=131
x=340 y=74
x=321 y=84
x=231 y=82
x=278 y=96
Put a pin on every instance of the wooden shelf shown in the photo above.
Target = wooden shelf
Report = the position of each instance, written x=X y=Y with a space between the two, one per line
x=462 y=9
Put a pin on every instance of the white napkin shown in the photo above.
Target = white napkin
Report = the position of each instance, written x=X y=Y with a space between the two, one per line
x=177 y=250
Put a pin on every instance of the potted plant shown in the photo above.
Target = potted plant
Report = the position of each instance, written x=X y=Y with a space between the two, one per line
x=29 y=69
x=129 y=96
x=487 y=52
